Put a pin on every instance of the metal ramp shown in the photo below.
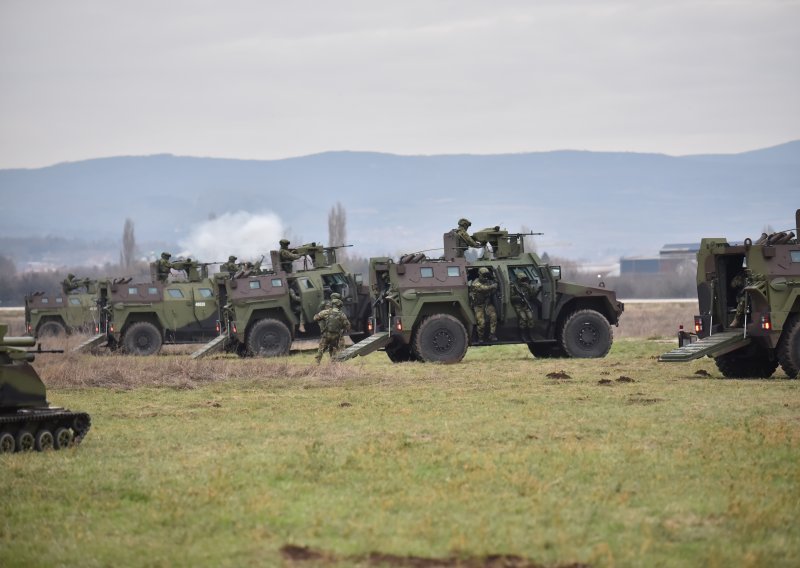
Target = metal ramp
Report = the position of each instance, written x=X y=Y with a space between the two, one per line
x=93 y=341
x=364 y=347
x=716 y=344
x=212 y=346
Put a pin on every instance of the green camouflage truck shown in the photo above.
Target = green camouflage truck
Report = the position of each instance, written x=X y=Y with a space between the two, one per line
x=60 y=314
x=749 y=301
x=261 y=314
x=423 y=309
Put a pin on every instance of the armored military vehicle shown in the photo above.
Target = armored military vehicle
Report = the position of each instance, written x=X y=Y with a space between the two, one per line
x=261 y=314
x=139 y=317
x=27 y=421
x=423 y=309
x=60 y=314
x=749 y=300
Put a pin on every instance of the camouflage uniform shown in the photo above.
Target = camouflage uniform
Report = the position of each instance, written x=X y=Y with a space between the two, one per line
x=334 y=324
x=464 y=239
x=231 y=267
x=287 y=256
x=739 y=283
x=70 y=283
x=520 y=291
x=481 y=291
x=163 y=267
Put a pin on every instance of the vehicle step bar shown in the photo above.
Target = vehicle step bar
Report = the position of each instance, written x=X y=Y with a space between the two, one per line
x=717 y=344
x=94 y=341
x=365 y=346
x=212 y=346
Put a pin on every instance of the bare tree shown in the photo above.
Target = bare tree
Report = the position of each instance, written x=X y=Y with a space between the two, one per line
x=128 y=255
x=337 y=227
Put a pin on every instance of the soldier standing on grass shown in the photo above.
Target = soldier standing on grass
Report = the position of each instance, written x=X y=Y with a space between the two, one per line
x=522 y=297
x=333 y=324
x=481 y=291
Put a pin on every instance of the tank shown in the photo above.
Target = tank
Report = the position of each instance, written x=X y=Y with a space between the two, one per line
x=27 y=421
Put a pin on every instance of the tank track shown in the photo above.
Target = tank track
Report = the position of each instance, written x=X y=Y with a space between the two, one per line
x=37 y=419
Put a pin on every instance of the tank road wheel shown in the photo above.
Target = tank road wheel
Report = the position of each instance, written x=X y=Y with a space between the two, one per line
x=269 y=338
x=44 y=440
x=51 y=329
x=789 y=348
x=62 y=438
x=546 y=350
x=25 y=441
x=750 y=362
x=441 y=338
x=6 y=443
x=142 y=338
x=400 y=353
x=586 y=333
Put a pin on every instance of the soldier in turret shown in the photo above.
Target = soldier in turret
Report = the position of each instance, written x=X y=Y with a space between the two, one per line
x=231 y=267
x=287 y=256
x=163 y=267
x=70 y=283
x=464 y=239
x=334 y=325
x=481 y=292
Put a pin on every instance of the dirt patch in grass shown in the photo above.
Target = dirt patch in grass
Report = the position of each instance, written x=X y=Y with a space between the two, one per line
x=300 y=554
x=641 y=398
x=624 y=379
x=558 y=375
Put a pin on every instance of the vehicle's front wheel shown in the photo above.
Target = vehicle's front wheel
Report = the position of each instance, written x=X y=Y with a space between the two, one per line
x=586 y=333
x=269 y=338
x=441 y=338
x=141 y=338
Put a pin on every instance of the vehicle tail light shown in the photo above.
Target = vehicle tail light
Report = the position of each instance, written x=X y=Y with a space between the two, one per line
x=111 y=328
x=97 y=328
x=233 y=327
x=398 y=324
x=698 y=324
x=217 y=327
x=766 y=322
x=370 y=326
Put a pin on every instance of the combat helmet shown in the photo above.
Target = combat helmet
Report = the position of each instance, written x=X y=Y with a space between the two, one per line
x=336 y=296
x=521 y=275
x=284 y=242
x=231 y=258
x=483 y=271
x=165 y=255
x=464 y=222
x=337 y=303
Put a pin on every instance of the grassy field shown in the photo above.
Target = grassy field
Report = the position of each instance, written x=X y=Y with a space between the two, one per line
x=501 y=460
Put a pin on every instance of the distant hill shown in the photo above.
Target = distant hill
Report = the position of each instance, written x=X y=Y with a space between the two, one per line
x=590 y=205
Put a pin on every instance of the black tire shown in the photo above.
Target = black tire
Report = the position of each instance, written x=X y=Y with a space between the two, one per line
x=7 y=443
x=62 y=438
x=44 y=440
x=440 y=338
x=51 y=329
x=749 y=362
x=400 y=353
x=789 y=348
x=269 y=338
x=586 y=334
x=546 y=350
x=141 y=338
x=25 y=441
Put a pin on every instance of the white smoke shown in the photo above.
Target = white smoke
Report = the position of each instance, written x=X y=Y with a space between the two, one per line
x=243 y=234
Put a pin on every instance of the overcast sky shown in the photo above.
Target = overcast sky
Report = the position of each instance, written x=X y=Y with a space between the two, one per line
x=264 y=79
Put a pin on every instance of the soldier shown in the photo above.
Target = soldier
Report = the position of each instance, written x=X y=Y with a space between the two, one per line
x=333 y=324
x=231 y=267
x=481 y=292
x=297 y=304
x=163 y=267
x=464 y=239
x=523 y=293
x=738 y=284
x=287 y=256
x=70 y=283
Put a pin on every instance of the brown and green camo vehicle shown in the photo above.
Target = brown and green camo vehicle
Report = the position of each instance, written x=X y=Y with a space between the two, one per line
x=27 y=421
x=61 y=314
x=749 y=300
x=423 y=312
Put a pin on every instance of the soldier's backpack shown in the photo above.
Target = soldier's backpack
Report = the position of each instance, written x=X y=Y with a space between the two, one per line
x=335 y=322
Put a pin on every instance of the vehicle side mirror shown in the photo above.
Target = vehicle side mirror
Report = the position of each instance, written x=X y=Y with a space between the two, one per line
x=556 y=272
x=359 y=278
